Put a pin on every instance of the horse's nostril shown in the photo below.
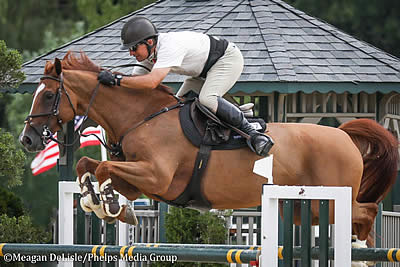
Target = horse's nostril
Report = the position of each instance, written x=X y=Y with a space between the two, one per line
x=26 y=140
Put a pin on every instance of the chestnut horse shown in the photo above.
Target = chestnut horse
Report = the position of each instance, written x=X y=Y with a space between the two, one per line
x=158 y=160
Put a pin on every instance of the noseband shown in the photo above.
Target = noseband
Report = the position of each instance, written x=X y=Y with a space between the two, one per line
x=45 y=134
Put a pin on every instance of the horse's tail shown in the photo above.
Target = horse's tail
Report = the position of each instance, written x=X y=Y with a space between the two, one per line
x=379 y=150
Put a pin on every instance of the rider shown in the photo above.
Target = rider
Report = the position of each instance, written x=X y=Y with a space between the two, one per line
x=212 y=64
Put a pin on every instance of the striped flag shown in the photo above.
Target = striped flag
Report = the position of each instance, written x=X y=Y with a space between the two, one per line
x=47 y=158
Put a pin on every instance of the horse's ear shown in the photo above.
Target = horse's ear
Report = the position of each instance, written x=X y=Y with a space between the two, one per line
x=57 y=64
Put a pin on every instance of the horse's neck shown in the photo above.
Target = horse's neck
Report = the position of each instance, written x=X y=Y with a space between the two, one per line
x=129 y=108
x=117 y=109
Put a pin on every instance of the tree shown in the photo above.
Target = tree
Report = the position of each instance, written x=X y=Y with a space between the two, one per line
x=21 y=230
x=10 y=67
x=23 y=23
x=10 y=76
x=14 y=225
x=10 y=204
x=100 y=12
x=375 y=21
x=11 y=161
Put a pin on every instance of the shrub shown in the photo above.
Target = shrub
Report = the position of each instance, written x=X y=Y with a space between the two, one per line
x=188 y=226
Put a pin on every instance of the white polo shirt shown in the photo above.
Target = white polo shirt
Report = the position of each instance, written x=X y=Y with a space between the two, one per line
x=184 y=52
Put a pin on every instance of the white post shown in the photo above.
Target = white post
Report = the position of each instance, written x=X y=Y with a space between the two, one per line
x=269 y=239
x=122 y=231
x=66 y=192
x=343 y=228
x=103 y=150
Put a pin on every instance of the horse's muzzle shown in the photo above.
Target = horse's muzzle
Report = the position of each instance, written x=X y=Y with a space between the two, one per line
x=31 y=141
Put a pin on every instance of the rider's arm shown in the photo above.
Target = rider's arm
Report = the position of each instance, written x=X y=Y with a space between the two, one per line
x=146 y=81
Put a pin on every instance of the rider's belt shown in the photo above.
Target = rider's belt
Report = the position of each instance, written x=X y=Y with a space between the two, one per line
x=217 y=50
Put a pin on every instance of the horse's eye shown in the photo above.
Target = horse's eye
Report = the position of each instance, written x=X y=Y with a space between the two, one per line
x=49 y=95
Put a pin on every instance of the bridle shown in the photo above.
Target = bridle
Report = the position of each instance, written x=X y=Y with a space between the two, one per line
x=45 y=133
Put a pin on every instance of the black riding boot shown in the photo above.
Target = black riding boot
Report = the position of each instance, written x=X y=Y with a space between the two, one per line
x=229 y=113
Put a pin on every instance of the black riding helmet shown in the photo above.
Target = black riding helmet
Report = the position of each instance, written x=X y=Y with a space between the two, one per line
x=137 y=30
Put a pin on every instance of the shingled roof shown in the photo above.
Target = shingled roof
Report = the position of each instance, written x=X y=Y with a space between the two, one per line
x=285 y=49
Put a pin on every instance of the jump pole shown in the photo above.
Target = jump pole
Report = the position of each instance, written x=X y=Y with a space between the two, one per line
x=105 y=253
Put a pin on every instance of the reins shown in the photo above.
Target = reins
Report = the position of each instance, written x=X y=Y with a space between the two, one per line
x=130 y=65
x=118 y=146
x=114 y=149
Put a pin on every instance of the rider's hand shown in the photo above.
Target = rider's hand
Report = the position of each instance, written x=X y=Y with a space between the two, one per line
x=106 y=77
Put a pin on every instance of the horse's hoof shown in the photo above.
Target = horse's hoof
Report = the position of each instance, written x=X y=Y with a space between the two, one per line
x=112 y=209
x=99 y=211
x=110 y=201
x=88 y=200
x=130 y=217
x=110 y=220
x=83 y=202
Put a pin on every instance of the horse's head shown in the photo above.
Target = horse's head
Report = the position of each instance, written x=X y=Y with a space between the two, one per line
x=51 y=107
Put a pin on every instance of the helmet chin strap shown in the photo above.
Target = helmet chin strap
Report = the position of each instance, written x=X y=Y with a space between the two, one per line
x=151 y=56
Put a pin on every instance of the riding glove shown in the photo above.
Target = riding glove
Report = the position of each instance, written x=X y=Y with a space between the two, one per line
x=107 y=78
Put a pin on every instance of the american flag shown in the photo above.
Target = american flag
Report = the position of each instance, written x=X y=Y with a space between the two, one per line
x=47 y=158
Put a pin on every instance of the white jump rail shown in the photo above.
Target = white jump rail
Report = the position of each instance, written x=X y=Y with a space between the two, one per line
x=269 y=221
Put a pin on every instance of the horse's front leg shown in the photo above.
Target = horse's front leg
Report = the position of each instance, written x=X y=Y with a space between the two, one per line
x=135 y=174
x=89 y=201
x=87 y=166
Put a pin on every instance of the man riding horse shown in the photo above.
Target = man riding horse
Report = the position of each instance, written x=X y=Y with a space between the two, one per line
x=214 y=65
x=155 y=157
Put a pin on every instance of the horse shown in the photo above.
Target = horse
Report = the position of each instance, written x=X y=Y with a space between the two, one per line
x=157 y=160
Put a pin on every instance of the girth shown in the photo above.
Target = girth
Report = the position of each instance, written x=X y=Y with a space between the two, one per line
x=192 y=196
x=189 y=114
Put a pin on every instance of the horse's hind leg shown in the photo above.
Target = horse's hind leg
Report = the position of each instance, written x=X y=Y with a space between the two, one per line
x=363 y=216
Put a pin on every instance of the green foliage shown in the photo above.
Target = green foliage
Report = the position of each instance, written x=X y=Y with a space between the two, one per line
x=10 y=67
x=41 y=208
x=52 y=41
x=10 y=203
x=23 y=22
x=374 y=21
x=39 y=194
x=186 y=226
x=17 y=109
x=11 y=161
x=21 y=230
x=100 y=12
x=193 y=227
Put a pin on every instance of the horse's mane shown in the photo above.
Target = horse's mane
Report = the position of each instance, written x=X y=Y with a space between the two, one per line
x=73 y=62
x=84 y=63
